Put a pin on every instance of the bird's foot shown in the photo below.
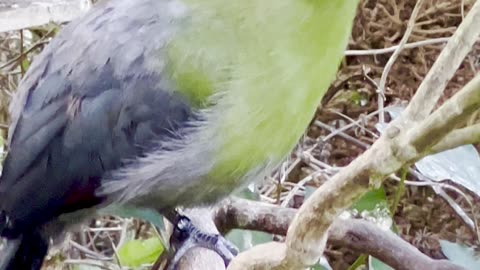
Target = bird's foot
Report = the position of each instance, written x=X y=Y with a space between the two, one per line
x=186 y=236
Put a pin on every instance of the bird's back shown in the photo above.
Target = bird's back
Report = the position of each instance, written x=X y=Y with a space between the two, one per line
x=93 y=101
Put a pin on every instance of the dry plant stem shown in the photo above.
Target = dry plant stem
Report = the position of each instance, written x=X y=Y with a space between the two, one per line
x=393 y=58
x=23 y=54
x=445 y=67
x=467 y=135
x=394 y=48
x=341 y=134
x=358 y=235
x=452 y=113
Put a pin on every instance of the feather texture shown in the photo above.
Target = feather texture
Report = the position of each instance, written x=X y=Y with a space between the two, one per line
x=267 y=64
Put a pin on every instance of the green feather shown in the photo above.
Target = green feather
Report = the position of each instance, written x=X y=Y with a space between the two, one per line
x=272 y=60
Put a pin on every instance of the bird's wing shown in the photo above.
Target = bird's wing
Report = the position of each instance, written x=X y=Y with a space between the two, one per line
x=89 y=104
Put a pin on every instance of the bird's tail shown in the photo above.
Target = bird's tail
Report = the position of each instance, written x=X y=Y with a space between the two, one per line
x=25 y=252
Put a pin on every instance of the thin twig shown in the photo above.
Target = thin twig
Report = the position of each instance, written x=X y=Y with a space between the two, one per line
x=452 y=113
x=348 y=126
x=463 y=136
x=85 y=250
x=391 y=61
x=342 y=134
x=25 y=53
x=373 y=134
x=392 y=49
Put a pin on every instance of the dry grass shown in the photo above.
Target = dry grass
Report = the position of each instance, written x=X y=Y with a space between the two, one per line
x=422 y=217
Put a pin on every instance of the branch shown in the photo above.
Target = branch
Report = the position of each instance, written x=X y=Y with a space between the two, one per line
x=463 y=136
x=394 y=48
x=452 y=113
x=235 y=213
x=358 y=235
x=445 y=67
x=393 y=58
x=365 y=237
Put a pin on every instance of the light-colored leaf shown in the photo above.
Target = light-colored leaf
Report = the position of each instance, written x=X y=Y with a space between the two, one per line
x=376 y=264
x=245 y=239
x=461 y=255
x=248 y=193
x=309 y=190
x=394 y=112
x=460 y=165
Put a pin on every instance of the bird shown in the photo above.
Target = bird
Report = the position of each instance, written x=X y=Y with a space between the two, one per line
x=158 y=104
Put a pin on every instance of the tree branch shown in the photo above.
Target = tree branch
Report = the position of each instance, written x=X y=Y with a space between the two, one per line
x=362 y=236
x=452 y=113
x=393 y=58
x=463 y=136
x=358 y=235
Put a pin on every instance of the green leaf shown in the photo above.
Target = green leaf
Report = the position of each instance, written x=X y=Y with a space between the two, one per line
x=245 y=239
x=349 y=97
x=370 y=200
x=135 y=253
x=322 y=265
x=318 y=267
x=461 y=255
x=25 y=64
x=376 y=264
x=359 y=262
x=356 y=98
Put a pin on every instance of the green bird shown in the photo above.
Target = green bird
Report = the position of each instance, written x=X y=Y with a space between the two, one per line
x=159 y=104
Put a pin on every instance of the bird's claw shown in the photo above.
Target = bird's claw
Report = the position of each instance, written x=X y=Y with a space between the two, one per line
x=186 y=236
